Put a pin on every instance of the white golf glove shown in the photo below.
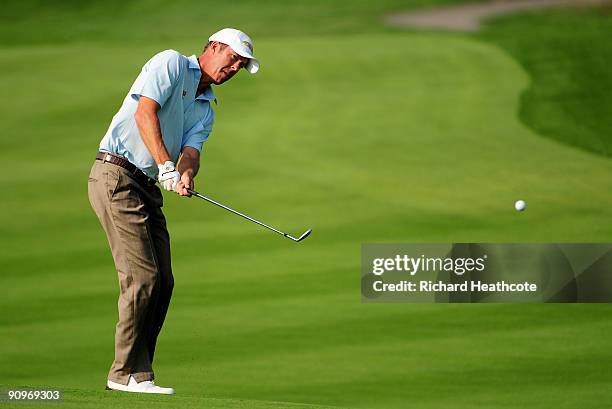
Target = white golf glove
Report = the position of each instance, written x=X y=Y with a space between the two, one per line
x=168 y=175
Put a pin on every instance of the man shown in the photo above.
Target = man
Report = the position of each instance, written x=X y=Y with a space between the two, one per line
x=166 y=114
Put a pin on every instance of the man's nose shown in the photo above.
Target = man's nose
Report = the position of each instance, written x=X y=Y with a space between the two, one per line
x=235 y=66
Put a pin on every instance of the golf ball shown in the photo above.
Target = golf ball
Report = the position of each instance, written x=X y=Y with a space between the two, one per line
x=520 y=205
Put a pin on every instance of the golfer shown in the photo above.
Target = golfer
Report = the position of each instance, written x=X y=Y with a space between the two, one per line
x=156 y=136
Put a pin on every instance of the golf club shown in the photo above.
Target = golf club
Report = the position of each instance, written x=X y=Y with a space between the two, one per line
x=302 y=237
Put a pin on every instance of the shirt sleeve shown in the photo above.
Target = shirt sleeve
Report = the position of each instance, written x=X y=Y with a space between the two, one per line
x=197 y=135
x=158 y=77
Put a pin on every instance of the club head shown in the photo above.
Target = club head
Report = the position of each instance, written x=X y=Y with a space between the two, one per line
x=303 y=236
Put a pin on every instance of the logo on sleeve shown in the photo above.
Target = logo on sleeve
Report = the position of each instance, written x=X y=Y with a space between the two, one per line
x=184 y=93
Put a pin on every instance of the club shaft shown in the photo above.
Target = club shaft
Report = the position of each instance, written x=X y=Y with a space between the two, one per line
x=194 y=193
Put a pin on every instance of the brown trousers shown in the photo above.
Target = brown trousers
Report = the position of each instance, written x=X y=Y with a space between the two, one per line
x=135 y=226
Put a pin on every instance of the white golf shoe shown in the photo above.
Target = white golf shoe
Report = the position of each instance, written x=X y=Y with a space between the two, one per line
x=139 y=387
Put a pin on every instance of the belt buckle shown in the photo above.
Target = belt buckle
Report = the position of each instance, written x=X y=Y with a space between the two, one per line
x=107 y=158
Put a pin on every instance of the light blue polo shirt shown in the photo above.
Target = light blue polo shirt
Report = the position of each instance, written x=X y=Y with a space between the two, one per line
x=171 y=79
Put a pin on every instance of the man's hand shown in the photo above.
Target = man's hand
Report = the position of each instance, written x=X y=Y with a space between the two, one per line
x=185 y=183
x=168 y=175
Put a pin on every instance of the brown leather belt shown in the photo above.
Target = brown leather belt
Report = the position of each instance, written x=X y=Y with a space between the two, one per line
x=138 y=174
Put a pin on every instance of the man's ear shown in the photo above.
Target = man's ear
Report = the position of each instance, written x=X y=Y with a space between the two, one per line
x=215 y=46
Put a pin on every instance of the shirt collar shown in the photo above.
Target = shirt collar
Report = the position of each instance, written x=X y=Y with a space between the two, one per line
x=208 y=93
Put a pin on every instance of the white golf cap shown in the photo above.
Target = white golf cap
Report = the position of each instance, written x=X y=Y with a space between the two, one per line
x=240 y=43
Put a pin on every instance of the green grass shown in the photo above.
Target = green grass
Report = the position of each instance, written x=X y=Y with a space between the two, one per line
x=569 y=98
x=415 y=137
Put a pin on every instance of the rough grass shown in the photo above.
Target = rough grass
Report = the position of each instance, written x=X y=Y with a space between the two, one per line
x=567 y=54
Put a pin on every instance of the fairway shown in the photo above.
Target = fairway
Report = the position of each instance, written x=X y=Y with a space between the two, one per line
x=393 y=136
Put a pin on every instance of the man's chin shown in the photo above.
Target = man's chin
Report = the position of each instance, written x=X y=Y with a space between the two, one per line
x=223 y=79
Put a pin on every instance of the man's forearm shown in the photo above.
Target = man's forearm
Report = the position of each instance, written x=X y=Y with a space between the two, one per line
x=188 y=164
x=150 y=132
